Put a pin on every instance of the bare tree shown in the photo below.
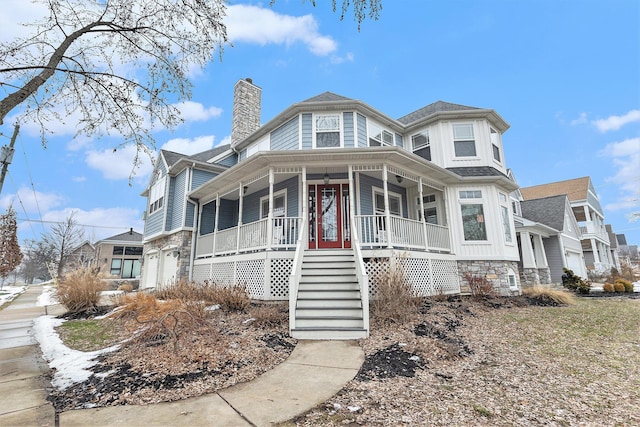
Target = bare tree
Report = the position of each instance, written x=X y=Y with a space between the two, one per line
x=10 y=253
x=116 y=66
x=38 y=256
x=64 y=238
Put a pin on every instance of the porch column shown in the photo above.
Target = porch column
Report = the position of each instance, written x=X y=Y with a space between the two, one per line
x=304 y=224
x=423 y=219
x=594 y=249
x=387 y=212
x=528 y=257
x=352 y=206
x=215 y=226
x=240 y=207
x=270 y=215
x=541 y=256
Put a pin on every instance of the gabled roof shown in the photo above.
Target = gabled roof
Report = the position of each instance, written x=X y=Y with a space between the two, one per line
x=431 y=109
x=172 y=157
x=575 y=189
x=327 y=97
x=548 y=211
x=129 y=236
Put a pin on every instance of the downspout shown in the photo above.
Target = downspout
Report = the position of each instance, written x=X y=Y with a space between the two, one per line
x=194 y=233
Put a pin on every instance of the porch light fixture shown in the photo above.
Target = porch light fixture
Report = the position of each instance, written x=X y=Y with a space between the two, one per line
x=326 y=178
x=244 y=189
x=399 y=179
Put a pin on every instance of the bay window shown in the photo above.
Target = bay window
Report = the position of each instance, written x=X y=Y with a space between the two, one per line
x=464 y=142
x=327 y=131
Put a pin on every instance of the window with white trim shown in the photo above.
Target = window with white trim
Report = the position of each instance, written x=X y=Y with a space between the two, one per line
x=421 y=145
x=279 y=205
x=495 y=144
x=379 y=136
x=327 y=130
x=464 y=142
x=473 y=223
x=513 y=281
x=506 y=220
x=430 y=208
x=156 y=195
x=395 y=203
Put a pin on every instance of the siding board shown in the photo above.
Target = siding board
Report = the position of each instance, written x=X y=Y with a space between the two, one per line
x=362 y=131
x=349 y=132
x=286 y=136
x=307 y=132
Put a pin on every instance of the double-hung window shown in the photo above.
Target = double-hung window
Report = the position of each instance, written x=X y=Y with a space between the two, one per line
x=421 y=145
x=156 y=195
x=327 y=130
x=495 y=145
x=430 y=208
x=279 y=205
x=395 y=203
x=472 y=210
x=506 y=221
x=464 y=142
x=379 y=136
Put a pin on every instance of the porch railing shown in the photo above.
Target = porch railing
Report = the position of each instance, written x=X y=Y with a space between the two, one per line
x=250 y=237
x=405 y=233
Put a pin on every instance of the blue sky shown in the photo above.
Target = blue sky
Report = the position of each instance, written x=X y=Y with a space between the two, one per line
x=565 y=74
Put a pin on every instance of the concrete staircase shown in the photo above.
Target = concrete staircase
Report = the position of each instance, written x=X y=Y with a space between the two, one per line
x=329 y=303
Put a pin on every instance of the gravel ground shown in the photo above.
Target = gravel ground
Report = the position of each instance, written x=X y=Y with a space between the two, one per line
x=498 y=361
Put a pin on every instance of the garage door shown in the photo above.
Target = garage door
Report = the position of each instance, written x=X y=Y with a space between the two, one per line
x=169 y=268
x=150 y=270
x=574 y=263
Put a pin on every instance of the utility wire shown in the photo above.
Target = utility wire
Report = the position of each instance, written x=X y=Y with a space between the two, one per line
x=33 y=187
x=80 y=225
x=24 y=210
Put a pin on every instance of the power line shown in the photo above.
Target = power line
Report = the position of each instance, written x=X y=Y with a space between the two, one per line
x=64 y=222
x=33 y=187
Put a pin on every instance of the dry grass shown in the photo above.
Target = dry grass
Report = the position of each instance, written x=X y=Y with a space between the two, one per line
x=80 y=290
x=546 y=296
x=271 y=315
x=395 y=301
x=230 y=298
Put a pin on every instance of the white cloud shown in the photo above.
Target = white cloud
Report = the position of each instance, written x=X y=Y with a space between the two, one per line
x=626 y=159
x=340 y=59
x=118 y=164
x=263 y=26
x=100 y=223
x=21 y=12
x=196 y=112
x=30 y=201
x=616 y=122
x=189 y=146
x=582 y=119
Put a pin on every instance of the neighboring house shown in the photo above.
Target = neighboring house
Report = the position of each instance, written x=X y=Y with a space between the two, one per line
x=562 y=247
x=120 y=256
x=81 y=257
x=314 y=205
x=582 y=196
x=615 y=248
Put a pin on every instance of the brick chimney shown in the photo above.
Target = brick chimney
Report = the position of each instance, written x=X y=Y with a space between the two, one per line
x=246 y=110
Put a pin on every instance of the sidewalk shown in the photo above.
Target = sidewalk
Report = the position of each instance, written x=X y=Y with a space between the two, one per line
x=315 y=371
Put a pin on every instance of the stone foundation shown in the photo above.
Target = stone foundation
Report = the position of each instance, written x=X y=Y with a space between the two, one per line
x=496 y=272
x=182 y=242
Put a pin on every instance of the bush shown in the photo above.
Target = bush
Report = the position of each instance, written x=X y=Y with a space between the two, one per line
x=79 y=291
x=229 y=298
x=618 y=287
x=480 y=286
x=608 y=287
x=395 y=301
x=270 y=315
x=575 y=283
x=628 y=286
x=546 y=296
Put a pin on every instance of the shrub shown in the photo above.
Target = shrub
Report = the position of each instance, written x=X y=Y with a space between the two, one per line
x=608 y=287
x=575 y=283
x=79 y=291
x=395 y=301
x=229 y=298
x=480 y=286
x=628 y=286
x=270 y=315
x=618 y=287
x=546 y=296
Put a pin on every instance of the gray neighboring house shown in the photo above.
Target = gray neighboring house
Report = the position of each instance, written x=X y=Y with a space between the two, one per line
x=562 y=248
x=120 y=255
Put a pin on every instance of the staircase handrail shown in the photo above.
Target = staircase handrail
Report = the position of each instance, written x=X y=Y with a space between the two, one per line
x=296 y=271
x=361 y=273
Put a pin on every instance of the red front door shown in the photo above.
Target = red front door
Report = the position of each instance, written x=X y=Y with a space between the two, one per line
x=330 y=222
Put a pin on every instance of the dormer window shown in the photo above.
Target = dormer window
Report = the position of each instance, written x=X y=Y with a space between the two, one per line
x=327 y=131
x=421 y=145
x=379 y=136
x=464 y=142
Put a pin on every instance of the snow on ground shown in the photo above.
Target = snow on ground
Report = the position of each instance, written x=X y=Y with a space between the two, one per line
x=71 y=366
x=47 y=297
x=9 y=293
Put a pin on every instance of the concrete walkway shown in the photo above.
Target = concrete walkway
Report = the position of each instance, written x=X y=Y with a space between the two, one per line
x=315 y=371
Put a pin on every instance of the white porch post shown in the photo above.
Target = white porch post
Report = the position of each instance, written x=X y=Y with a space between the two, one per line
x=594 y=249
x=352 y=210
x=541 y=256
x=424 y=220
x=215 y=227
x=528 y=257
x=305 y=207
x=270 y=215
x=387 y=212
x=240 y=207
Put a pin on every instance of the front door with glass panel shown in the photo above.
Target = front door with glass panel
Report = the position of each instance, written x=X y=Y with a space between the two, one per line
x=328 y=216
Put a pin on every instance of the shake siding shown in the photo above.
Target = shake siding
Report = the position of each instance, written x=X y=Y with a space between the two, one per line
x=178 y=200
x=286 y=136
x=199 y=177
x=362 y=131
x=554 y=257
x=232 y=160
x=348 y=129
x=307 y=132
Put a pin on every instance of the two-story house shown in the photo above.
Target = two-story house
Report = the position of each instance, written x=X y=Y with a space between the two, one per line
x=589 y=214
x=318 y=202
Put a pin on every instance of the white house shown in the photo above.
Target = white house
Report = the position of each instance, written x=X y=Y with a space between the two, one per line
x=315 y=204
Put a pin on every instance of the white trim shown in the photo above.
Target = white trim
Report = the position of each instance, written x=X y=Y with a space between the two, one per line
x=275 y=196
x=314 y=131
x=381 y=192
